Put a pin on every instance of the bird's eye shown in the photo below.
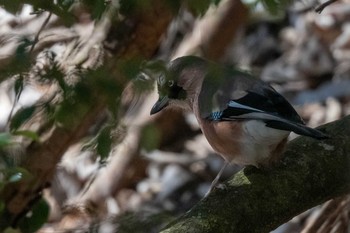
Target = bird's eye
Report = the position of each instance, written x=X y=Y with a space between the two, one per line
x=161 y=80
x=171 y=83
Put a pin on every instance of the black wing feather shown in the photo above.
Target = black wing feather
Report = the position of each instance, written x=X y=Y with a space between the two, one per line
x=272 y=103
x=257 y=100
x=275 y=105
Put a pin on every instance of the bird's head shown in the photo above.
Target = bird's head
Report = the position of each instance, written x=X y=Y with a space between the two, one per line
x=177 y=82
x=170 y=92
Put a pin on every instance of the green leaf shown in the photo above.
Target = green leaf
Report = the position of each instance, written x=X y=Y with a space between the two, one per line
x=103 y=83
x=54 y=73
x=150 y=137
x=275 y=7
x=28 y=134
x=65 y=4
x=18 y=87
x=270 y=5
x=21 y=54
x=36 y=218
x=15 y=174
x=131 y=68
x=128 y=7
x=199 y=7
x=15 y=177
x=104 y=142
x=155 y=65
x=12 y=6
x=97 y=7
x=5 y=139
x=12 y=230
x=21 y=62
x=76 y=103
x=21 y=116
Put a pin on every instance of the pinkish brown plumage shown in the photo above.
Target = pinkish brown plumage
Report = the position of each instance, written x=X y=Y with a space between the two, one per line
x=244 y=119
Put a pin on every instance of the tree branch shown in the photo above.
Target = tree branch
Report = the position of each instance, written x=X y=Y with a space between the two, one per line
x=321 y=7
x=211 y=35
x=256 y=200
x=44 y=156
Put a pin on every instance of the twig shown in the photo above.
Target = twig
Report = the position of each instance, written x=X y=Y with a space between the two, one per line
x=36 y=39
x=321 y=7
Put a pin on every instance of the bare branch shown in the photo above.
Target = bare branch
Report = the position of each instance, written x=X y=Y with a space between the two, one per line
x=321 y=7
x=36 y=39
x=211 y=35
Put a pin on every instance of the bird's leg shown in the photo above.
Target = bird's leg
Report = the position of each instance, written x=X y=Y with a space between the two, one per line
x=217 y=178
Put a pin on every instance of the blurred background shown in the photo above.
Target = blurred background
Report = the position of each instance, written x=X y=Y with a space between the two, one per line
x=79 y=151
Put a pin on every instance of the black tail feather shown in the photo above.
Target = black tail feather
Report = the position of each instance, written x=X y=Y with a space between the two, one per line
x=297 y=128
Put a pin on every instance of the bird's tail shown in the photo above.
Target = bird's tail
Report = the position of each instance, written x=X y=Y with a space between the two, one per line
x=296 y=128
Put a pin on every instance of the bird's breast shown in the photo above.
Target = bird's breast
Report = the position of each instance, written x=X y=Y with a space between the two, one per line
x=247 y=142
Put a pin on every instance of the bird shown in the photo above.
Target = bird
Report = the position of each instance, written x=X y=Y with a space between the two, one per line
x=244 y=119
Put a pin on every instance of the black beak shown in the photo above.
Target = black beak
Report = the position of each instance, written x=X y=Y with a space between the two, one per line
x=160 y=104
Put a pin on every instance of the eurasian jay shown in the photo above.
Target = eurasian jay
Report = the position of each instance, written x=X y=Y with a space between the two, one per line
x=244 y=119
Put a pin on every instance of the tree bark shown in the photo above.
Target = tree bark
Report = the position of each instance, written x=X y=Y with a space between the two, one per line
x=259 y=200
x=213 y=33
x=42 y=157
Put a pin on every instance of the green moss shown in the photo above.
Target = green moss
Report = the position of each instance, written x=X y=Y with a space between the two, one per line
x=256 y=200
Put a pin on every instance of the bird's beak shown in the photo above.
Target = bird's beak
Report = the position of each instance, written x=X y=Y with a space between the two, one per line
x=160 y=104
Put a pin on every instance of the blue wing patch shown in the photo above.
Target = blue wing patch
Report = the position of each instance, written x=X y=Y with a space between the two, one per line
x=233 y=109
x=215 y=116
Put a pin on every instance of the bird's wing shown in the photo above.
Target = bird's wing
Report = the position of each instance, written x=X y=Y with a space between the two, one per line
x=242 y=97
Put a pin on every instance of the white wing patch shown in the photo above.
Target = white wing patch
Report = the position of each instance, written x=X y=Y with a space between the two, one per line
x=260 y=134
x=234 y=104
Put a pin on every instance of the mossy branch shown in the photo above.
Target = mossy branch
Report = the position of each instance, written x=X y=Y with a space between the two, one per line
x=256 y=200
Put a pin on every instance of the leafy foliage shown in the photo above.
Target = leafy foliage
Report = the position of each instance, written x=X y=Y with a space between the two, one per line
x=199 y=7
x=96 y=7
x=79 y=98
x=150 y=137
x=37 y=217
x=22 y=116
x=20 y=63
x=104 y=142
x=128 y=7
x=15 y=174
x=75 y=104
x=273 y=7
x=5 y=139
x=65 y=4
x=27 y=133
x=60 y=8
